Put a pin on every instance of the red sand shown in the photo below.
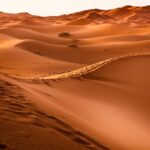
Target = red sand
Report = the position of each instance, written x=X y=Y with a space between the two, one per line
x=75 y=82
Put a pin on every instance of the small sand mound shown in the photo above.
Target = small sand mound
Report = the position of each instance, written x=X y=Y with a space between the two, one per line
x=64 y=34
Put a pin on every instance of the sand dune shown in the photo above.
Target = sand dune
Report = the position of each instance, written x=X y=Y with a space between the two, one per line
x=127 y=14
x=87 y=69
x=75 y=82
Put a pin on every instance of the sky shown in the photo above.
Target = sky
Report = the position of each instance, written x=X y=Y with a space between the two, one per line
x=59 y=7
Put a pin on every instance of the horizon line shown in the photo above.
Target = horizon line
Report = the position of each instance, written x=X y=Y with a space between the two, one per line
x=69 y=13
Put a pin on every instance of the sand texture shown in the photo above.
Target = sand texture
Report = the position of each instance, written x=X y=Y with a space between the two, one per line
x=75 y=82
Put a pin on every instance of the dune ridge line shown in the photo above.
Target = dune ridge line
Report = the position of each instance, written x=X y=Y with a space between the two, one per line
x=89 y=68
x=75 y=73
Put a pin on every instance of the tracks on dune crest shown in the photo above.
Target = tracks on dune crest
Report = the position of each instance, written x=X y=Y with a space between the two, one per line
x=89 y=68
x=71 y=74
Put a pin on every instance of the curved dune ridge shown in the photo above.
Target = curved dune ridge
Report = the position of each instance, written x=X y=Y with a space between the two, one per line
x=74 y=73
x=75 y=82
x=88 y=69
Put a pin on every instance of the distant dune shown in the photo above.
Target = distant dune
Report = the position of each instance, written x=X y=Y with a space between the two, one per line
x=75 y=82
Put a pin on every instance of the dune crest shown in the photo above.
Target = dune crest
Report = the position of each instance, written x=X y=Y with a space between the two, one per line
x=88 y=69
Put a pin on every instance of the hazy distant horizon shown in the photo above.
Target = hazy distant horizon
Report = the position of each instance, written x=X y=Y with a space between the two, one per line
x=60 y=7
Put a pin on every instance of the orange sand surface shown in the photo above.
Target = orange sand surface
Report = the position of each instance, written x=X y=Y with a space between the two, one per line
x=75 y=82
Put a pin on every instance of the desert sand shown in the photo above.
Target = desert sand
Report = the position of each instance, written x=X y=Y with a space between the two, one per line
x=75 y=82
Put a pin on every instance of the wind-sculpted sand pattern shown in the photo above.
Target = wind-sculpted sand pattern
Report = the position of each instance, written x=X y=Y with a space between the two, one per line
x=89 y=68
x=16 y=108
x=70 y=74
x=75 y=73
x=75 y=82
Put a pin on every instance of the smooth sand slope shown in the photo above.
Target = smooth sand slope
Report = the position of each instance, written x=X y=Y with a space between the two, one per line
x=75 y=82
